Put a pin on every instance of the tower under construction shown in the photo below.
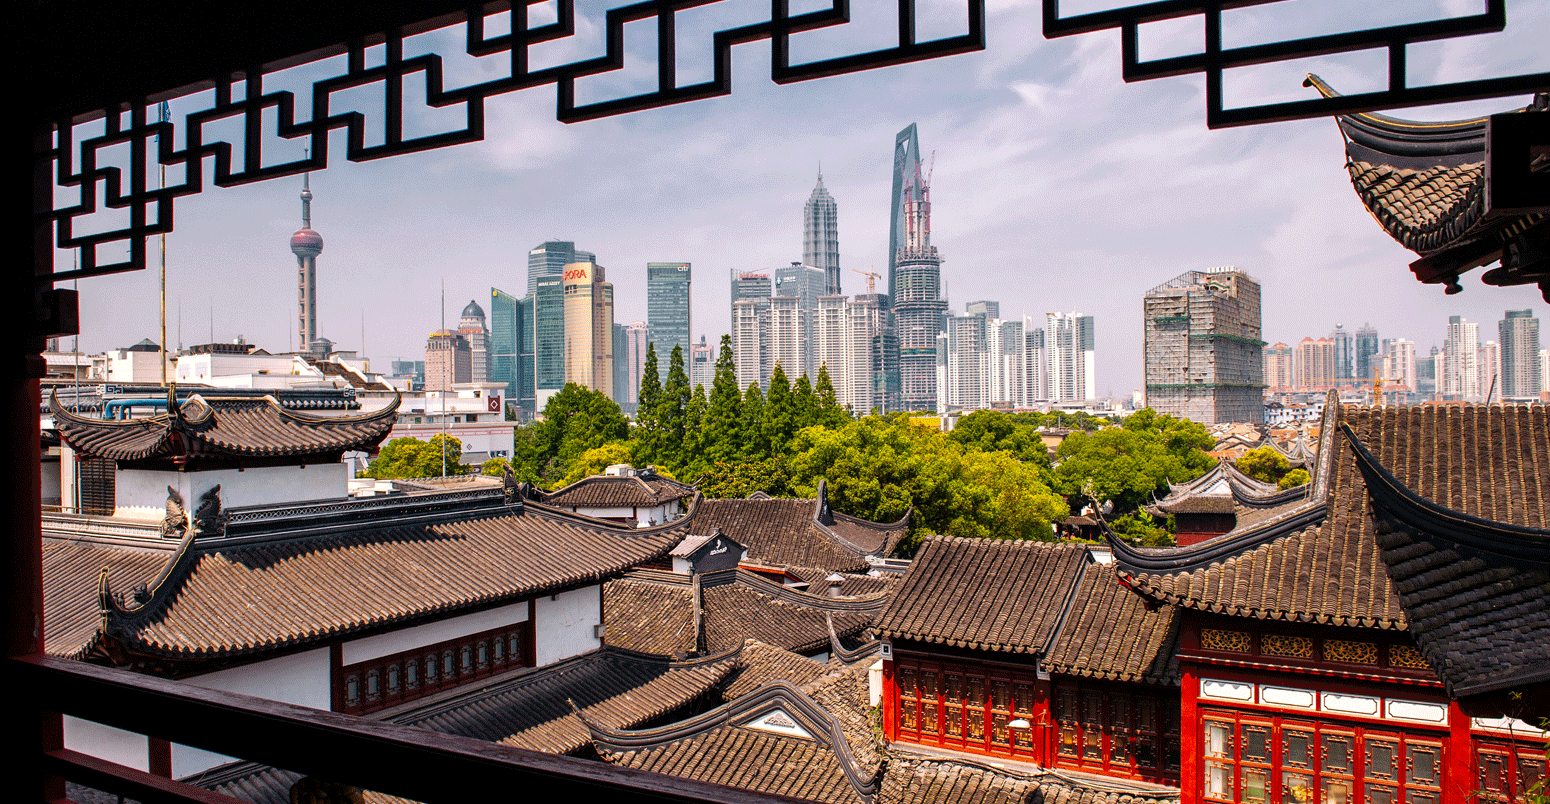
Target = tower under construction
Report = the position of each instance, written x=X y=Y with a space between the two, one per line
x=306 y=244
x=1204 y=356
x=915 y=278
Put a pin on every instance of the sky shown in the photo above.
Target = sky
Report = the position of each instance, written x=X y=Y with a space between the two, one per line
x=1054 y=185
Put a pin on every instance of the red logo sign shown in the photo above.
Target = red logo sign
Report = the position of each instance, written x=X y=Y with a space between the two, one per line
x=576 y=273
x=495 y=403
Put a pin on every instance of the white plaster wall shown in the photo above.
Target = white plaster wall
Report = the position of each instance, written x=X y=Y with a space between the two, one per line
x=301 y=679
x=605 y=513
x=142 y=493
x=373 y=647
x=564 y=626
x=105 y=742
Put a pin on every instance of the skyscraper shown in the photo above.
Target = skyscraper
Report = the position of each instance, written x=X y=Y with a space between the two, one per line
x=789 y=341
x=1489 y=364
x=1072 y=357
x=702 y=364
x=963 y=364
x=550 y=258
x=667 y=308
x=1367 y=356
x=1035 y=362
x=1521 y=377
x=511 y=348
x=821 y=236
x=589 y=327
x=1280 y=373
x=1399 y=366
x=548 y=339
x=915 y=278
x=306 y=244
x=1008 y=375
x=1315 y=364
x=1204 y=359
x=471 y=326
x=1345 y=368
x=906 y=166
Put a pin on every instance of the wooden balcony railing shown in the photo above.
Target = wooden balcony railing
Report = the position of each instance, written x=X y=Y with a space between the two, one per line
x=402 y=761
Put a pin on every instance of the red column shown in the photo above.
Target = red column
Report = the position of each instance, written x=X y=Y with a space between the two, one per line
x=1458 y=782
x=1190 y=767
x=890 y=704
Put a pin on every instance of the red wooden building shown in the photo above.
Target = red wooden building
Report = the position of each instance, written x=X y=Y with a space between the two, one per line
x=1384 y=641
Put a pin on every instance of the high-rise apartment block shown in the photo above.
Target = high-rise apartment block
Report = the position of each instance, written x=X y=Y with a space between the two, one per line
x=667 y=308
x=852 y=341
x=1035 y=363
x=549 y=259
x=1008 y=372
x=1521 y=378
x=471 y=326
x=1458 y=376
x=963 y=364
x=1489 y=364
x=805 y=284
x=1072 y=357
x=1280 y=369
x=1398 y=367
x=448 y=360
x=750 y=341
x=589 y=327
x=1204 y=358
x=821 y=237
x=1316 y=365
x=1345 y=367
x=630 y=344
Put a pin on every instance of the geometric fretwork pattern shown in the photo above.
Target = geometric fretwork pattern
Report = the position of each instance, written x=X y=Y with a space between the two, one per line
x=1216 y=59
x=86 y=167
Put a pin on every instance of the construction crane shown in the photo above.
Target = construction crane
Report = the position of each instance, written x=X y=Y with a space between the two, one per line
x=871 y=279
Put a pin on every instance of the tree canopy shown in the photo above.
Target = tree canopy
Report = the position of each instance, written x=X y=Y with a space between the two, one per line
x=411 y=457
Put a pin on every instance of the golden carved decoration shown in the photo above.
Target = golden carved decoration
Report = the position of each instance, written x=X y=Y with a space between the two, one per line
x=1340 y=650
x=1408 y=657
x=1217 y=639
x=1293 y=647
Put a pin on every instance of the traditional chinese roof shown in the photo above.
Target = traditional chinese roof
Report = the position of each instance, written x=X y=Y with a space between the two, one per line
x=1425 y=184
x=1110 y=634
x=654 y=612
x=984 y=594
x=1434 y=522
x=759 y=664
x=612 y=491
x=917 y=778
x=72 y=570
x=800 y=532
x=616 y=688
x=223 y=428
x=283 y=577
x=824 y=751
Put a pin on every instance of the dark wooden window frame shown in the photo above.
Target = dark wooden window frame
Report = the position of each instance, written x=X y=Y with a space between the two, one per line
x=409 y=675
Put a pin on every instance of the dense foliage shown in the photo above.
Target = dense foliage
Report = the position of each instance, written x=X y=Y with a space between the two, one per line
x=992 y=476
x=411 y=457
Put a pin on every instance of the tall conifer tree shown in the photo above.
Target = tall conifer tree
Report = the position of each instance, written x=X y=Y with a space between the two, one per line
x=724 y=416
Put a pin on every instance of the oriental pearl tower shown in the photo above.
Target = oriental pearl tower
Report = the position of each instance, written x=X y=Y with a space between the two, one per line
x=307 y=244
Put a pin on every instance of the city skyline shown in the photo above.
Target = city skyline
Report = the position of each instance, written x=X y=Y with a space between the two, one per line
x=1040 y=148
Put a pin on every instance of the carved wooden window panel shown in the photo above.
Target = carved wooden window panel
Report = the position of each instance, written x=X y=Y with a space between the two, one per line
x=1230 y=641
x=1407 y=657
x=1092 y=726
x=952 y=712
x=397 y=678
x=1121 y=735
x=1337 y=767
x=1343 y=650
x=1067 y=717
x=974 y=710
x=1255 y=771
x=1000 y=712
x=1291 y=647
x=1218 y=746
x=928 y=702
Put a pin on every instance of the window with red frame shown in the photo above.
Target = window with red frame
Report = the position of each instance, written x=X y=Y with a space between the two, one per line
x=402 y=677
x=1508 y=771
x=964 y=706
x=1253 y=759
x=1120 y=733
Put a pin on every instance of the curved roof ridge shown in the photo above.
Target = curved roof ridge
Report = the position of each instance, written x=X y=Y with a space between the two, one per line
x=786 y=594
x=778 y=695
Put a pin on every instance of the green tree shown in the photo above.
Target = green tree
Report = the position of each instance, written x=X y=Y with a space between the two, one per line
x=804 y=403
x=1130 y=463
x=648 y=436
x=994 y=431
x=594 y=461
x=724 y=416
x=692 y=457
x=779 y=423
x=829 y=412
x=1293 y=479
x=1265 y=464
x=672 y=411
x=495 y=467
x=411 y=457
x=575 y=420
x=741 y=478
x=756 y=445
